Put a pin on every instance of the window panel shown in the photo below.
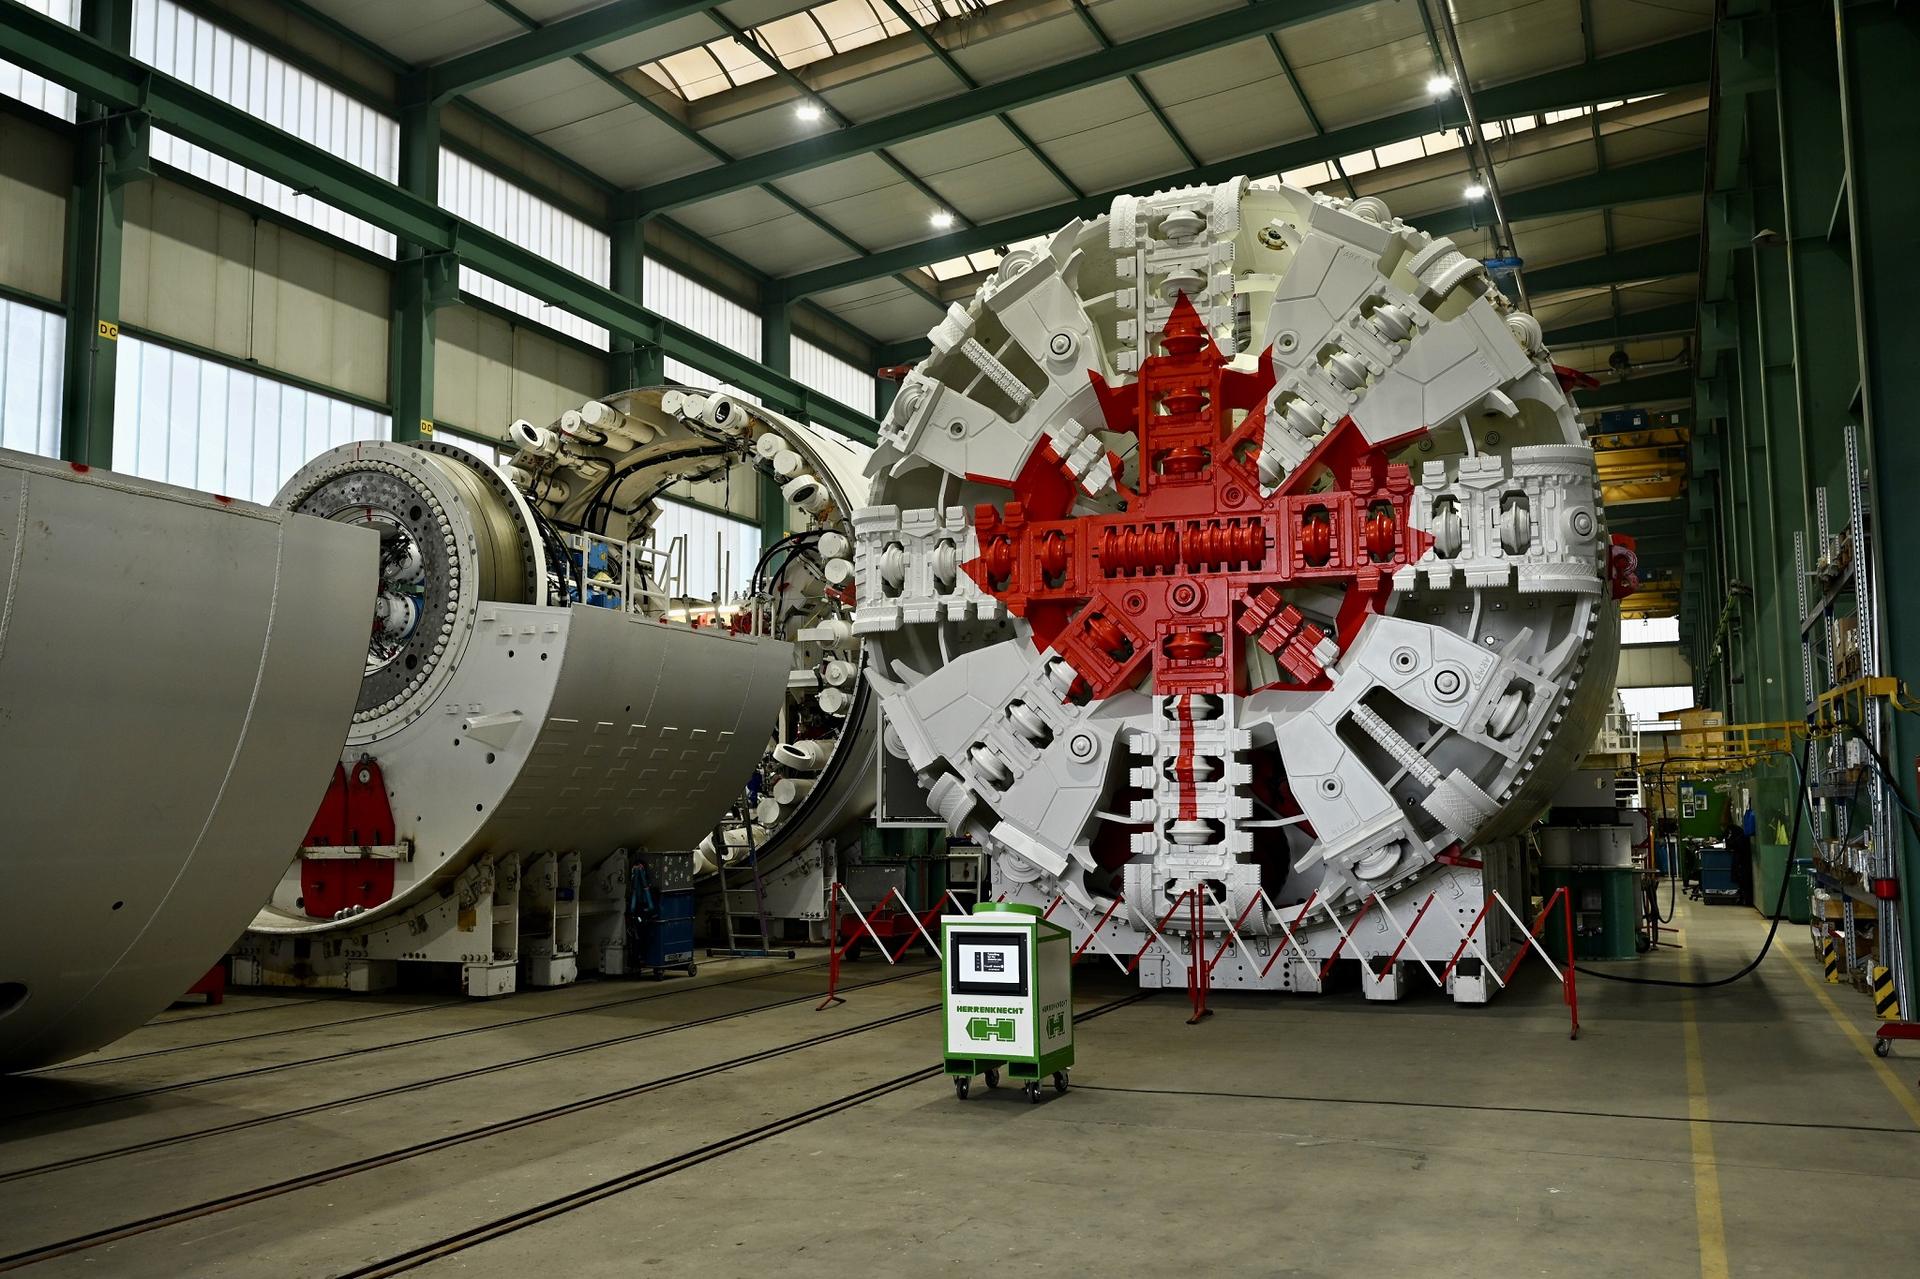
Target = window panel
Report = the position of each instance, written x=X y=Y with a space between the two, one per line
x=1649 y=630
x=186 y=420
x=32 y=364
x=1647 y=705
x=720 y=551
x=823 y=371
x=488 y=200
x=36 y=91
x=182 y=44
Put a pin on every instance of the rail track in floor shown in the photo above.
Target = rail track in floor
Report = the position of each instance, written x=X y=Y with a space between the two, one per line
x=513 y=1221
x=268 y=1068
x=460 y=1241
x=434 y=1081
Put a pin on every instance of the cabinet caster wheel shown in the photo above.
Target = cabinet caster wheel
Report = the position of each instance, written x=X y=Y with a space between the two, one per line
x=1033 y=1093
x=1883 y=1047
x=993 y=1079
x=693 y=970
x=960 y=1087
x=1059 y=1081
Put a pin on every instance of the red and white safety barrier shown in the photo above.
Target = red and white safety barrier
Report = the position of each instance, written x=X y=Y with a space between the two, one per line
x=838 y=949
x=1468 y=940
x=1200 y=966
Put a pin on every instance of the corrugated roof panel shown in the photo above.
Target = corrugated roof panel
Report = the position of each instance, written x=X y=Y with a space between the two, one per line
x=1656 y=220
x=763 y=130
x=1103 y=137
x=1351 y=78
x=1229 y=101
x=998 y=188
x=628 y=147
x=1507 y=39
x=1130 y=19
x=887 y=92
x=1619 y=25
x=860 y=177
x=1025 y=50
x=656 y=43
x=746 y=223
x=982 y=170
x=422 y=30
x=1683 y=134
x=549 y=97
x=868 y=201
x=1545 y=241
x=1208 y=75
x=1572 y=308
x=886 y=310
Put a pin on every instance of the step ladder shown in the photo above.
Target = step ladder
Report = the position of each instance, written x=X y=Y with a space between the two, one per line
x=743 y=903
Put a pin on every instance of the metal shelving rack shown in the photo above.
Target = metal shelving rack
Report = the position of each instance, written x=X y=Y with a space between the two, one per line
x=1848 y=860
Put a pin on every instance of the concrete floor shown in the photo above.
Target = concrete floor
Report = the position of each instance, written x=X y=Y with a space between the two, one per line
x=1743 y=1131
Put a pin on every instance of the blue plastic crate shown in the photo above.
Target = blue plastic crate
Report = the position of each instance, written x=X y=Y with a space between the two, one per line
x=666 y=939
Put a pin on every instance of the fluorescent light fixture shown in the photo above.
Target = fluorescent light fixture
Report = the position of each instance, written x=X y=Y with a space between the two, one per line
x=1439 y=86
x=1475 y=191
x=810 y=112
x=941 y=219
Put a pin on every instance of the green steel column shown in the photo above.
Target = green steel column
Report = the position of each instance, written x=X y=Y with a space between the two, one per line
x=1879 y=49
x=1781 y=463
x=884 y=391
x=419 y=282
x=1819 y=274
x=633 y=363
x=1743 y=412
x=108 y=150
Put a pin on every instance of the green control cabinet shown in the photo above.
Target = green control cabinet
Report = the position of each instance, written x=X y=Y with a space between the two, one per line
x=1008 y=1002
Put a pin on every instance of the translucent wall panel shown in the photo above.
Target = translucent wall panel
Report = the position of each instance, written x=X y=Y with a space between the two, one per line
x=210 y=275
x=721 y=552
x=186 y=46
x=1652 y=705
x=821 y=370
x=31 y=89
x=685 y=300
x=1649 y=630
x=191 y=421
x=36 y=172
x=489 y=370
x=488 y=200
x=31 y=363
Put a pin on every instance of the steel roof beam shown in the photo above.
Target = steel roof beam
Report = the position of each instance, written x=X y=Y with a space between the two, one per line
x=1652 y=389
x=1159 y=49
x=1660 y=321
x=1659 y=68
x=554 y=42
x=1644 y=262
x=114 y=80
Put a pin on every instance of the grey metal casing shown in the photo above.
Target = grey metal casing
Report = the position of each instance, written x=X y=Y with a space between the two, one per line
x=177 y=673
x=577 y=729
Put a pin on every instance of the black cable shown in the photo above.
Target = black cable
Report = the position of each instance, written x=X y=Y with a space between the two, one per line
x=1886 y=774
x=1801 y=802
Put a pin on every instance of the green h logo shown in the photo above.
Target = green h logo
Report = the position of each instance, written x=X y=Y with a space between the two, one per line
x=984 y=1028
x=1056 y=1025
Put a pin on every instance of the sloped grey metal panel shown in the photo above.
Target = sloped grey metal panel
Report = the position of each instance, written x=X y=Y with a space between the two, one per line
x=177 y=675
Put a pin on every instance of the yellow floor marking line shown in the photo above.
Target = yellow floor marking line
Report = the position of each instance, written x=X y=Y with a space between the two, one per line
x=1901 y=1093
x=1708 y=1219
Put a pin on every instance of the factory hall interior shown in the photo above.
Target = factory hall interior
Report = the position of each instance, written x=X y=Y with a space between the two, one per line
x=628 y=622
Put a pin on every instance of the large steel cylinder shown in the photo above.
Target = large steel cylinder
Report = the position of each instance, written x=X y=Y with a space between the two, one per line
x=177 y=671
